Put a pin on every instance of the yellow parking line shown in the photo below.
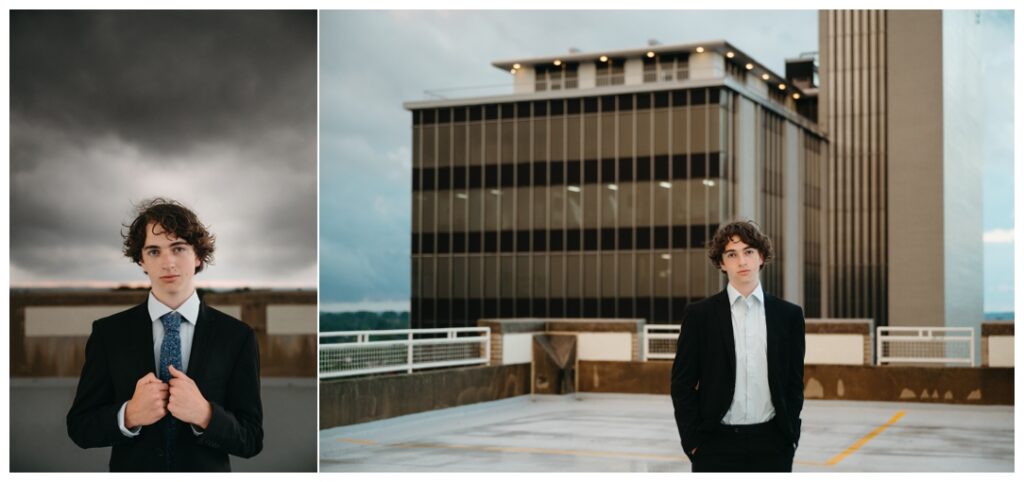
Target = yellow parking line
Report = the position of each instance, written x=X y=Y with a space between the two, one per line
x=860 y=443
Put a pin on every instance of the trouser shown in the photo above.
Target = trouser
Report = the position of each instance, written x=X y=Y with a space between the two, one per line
x=760 y=447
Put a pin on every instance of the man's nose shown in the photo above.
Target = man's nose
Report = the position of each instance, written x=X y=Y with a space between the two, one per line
x=167 y=259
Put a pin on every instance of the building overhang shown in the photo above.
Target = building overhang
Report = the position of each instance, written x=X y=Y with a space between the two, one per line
x=726 y=82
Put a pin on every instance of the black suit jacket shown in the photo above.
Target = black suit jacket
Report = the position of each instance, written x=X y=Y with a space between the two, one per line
x=224 y=363
x=704 y=371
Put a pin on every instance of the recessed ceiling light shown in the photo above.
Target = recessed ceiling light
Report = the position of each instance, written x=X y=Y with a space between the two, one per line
x=796 y=96
x=604 y=58
x=765 y=76
x=557 y=63
x=782 y=86
x=700 y=50
x=515 y=66
x=650 y=55
x=750 y=66
x=730 y=54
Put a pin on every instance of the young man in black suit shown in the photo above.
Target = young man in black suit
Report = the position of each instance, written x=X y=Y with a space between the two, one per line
x=737 y=379
x=172 y=384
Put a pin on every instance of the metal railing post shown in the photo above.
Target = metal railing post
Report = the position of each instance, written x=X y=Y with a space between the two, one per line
x=487 y=345
x=409 y=358
x=643 y=343
x=972 y=347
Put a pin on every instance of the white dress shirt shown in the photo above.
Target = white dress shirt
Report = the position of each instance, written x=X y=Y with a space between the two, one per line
x=189 y=311
x=752 y=400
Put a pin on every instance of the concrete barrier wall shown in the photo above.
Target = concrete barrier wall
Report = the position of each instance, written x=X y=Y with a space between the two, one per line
x=605 y=346
x=829 y=341
x=977 y=386
x=597 y=339
x=49 y=329
x=1000 y=351
x=356 y=400
x=839 y=341
x=834 y=349
x=997 y=344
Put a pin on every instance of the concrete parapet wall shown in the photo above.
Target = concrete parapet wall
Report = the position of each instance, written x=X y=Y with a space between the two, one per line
x=365 y=399
x=598 y=339
x=997 y=344
x=839 y=341
x=976 y=386
x=49 y=329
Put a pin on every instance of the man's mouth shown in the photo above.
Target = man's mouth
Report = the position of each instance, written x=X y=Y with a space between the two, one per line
x=170 y=277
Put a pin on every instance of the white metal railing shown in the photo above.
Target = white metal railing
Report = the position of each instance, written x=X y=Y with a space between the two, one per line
x=348 y=353
x=660 y=342
x=905 y=344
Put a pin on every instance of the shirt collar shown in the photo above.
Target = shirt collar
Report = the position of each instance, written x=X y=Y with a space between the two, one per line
x=734 y=294
x=189 y=310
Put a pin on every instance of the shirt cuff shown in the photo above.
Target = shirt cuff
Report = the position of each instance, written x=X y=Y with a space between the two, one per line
x=195 y=430
x=120 y=422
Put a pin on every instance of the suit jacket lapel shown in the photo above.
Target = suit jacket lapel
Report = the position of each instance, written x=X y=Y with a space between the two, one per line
x=142 y=339
x=724 y=321
x=774 y=330
x=201 y=340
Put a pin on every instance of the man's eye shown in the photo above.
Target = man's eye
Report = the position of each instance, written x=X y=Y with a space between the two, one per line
x=178 y=249
x=152 y=252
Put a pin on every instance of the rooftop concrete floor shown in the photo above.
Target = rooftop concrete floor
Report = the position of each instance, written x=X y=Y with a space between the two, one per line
x=637 y=433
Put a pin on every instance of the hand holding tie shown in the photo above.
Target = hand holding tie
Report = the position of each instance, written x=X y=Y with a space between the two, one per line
x=185 y=402
x=148 y=404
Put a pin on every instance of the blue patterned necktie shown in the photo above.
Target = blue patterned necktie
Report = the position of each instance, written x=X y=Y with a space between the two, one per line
x=170 y=354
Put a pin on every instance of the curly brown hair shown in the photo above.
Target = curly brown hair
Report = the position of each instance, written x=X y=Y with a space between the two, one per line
x=173 y=218
x=748 y=232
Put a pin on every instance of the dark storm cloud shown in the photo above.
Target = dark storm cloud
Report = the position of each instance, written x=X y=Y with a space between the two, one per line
x=215 y=109
x=155 y=78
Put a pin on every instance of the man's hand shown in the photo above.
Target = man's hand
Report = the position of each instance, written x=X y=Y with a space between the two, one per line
x=186 y=403
x=148 y=403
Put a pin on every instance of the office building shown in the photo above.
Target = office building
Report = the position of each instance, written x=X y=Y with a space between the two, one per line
x=591 y=189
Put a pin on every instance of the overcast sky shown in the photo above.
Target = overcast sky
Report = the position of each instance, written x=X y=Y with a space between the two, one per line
x=372 y=62
x=214 y=109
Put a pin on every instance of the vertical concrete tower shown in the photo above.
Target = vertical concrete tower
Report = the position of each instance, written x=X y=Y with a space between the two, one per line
x=900 y=105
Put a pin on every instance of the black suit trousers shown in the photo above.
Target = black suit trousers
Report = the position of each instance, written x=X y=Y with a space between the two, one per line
x=750 y=448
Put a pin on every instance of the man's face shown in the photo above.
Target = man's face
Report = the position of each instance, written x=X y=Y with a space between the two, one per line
x=169 y=261
x=741 y=262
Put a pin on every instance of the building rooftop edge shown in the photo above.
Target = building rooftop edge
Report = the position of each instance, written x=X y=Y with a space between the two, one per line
x=615 y=90
x=719 y=45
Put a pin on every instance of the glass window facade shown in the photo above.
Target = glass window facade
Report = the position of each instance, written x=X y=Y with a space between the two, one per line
x=583 y=207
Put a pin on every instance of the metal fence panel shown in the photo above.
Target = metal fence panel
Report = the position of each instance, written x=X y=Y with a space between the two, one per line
x=660 y=342
x=350 y=353
x=925 y=345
